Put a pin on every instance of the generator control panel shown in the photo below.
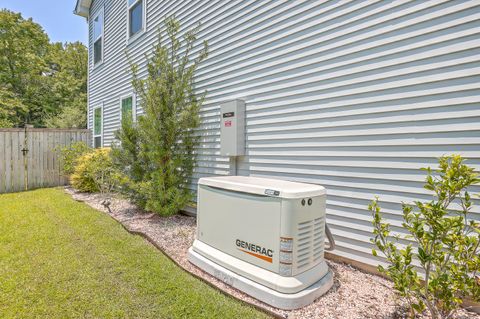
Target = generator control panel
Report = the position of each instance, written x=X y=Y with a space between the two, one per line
x=232 y=132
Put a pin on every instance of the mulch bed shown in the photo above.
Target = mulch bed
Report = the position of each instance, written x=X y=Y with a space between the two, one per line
x=355 y=294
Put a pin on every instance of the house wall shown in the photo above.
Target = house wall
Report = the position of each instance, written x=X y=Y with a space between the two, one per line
x=356 y=96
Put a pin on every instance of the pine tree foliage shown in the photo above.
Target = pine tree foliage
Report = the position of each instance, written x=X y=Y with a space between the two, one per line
x=157 y=154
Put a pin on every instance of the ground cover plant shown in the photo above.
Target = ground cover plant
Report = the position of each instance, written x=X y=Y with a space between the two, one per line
x=446 y=243
x=62 y=259
x=157 y=154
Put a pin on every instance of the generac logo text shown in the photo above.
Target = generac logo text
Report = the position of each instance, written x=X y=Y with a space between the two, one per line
x=255 y=250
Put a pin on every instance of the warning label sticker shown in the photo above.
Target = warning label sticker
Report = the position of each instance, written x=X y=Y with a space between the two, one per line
x=228 y=123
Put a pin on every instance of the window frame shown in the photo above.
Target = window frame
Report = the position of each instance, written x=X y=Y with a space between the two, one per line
x=134 y=106
x=131 y=38
x=101 y=125
x=102 y=36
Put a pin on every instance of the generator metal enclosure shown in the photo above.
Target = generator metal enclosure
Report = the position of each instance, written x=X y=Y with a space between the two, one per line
x=232 y=131
x=263 y=236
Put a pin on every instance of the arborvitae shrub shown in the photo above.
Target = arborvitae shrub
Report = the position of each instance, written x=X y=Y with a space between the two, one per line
x=156 y=154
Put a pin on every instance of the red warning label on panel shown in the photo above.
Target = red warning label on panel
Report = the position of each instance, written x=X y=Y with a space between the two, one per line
x=228 y=123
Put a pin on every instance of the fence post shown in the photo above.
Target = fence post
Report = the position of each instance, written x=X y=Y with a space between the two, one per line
x=25 y=157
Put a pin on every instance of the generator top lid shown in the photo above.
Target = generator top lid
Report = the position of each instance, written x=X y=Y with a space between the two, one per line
x=264 y=186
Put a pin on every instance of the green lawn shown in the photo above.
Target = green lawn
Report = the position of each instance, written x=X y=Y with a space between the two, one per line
x=62 y=259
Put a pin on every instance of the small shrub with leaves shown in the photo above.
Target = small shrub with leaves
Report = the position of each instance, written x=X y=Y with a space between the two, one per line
x=446 y=243
x=70 y=154
x=95 y=172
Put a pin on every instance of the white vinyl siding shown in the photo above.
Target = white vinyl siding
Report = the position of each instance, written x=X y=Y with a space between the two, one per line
x=354 y=95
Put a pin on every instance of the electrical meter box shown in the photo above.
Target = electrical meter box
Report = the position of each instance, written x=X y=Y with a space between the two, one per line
x=232 y=132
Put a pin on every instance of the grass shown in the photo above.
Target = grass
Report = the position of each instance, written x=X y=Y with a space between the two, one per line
x=62 y=259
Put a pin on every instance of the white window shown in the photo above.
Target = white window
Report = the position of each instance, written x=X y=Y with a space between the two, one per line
x=98 y=38
x=97 y=126
x=127 y=107
x=136 y=17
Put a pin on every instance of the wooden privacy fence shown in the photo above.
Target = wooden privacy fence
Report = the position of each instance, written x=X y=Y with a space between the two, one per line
x=29 y=158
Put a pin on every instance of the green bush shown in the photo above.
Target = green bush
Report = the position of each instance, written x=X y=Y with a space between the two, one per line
x=126 y=159
x=156 y=155
x=70 y=154
x=446 y=243
x=95 y=172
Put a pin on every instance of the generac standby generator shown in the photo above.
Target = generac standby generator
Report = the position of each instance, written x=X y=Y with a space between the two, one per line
x=264 y=237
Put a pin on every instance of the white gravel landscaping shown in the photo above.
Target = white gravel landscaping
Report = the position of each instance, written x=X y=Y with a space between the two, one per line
x=355 y=294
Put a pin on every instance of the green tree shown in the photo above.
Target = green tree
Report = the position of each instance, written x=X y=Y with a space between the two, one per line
x=23 y=48
x=40 y=83
x=68 y=86
x=10 y=107
x=446 y=243
x=157 y=153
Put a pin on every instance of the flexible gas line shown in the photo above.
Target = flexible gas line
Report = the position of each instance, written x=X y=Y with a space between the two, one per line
x=329 y=235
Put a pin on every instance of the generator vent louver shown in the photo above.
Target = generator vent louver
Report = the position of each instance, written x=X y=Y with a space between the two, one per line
x=309 y=243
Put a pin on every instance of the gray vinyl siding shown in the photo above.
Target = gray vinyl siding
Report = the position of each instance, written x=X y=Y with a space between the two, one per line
x=355 y=96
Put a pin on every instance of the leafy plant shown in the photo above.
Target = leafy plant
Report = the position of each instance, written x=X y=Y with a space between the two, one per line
x=95 y=172
x=70 y=155
x=157 y=154
x=446 y=243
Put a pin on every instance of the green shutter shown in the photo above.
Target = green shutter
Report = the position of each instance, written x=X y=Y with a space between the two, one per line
x=97 y=121
x=127 y=106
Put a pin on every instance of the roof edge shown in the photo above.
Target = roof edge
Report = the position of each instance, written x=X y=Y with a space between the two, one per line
x=82 y=8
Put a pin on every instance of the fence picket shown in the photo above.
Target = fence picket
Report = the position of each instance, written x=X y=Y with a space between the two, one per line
x=14 y=162
x=8 y=162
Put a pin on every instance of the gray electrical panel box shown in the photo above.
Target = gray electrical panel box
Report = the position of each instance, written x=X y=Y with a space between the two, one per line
x=232 y=132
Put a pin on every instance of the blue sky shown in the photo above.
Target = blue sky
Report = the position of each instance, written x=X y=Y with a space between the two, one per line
x=55 y=16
